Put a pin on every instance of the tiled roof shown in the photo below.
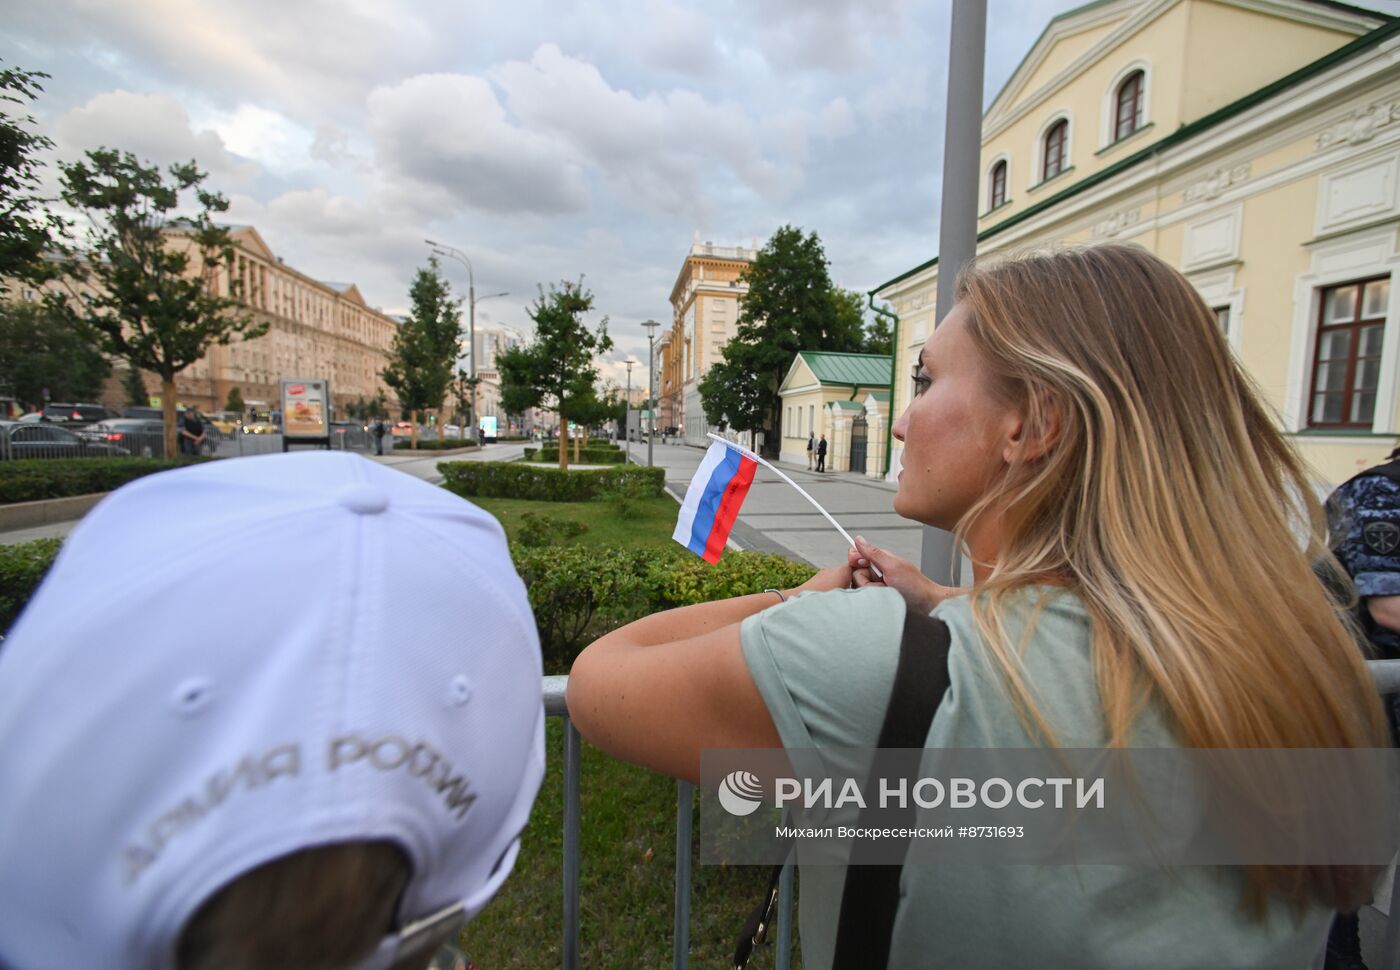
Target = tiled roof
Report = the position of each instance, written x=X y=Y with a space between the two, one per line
x=866 y=370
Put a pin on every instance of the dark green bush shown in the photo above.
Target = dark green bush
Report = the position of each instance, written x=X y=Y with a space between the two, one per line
x=578 y=594
x=22 y=566
x=451 y=445
x=31 y=479
x=625 y=498
x=541 y=529
x=586 y=456
x=541 y=483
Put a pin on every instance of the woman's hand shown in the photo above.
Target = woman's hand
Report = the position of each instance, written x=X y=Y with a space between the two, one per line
x=833 y=577
x=919 y=592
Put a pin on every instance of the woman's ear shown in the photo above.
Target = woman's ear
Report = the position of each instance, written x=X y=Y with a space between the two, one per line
x=1034 y=430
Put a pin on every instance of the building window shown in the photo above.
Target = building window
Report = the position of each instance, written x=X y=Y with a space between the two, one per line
x=1347 y=363
x=1056 y=156
x=1128 y=118
x=1222 y=319
x=996 y=187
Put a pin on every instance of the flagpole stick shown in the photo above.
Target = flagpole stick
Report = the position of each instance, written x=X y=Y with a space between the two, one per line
x=800 y=490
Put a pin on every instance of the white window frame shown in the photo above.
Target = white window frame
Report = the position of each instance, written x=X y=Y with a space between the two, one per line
x=987 y=181
x=1218 y=289
x=1109 y=114
x=1064 y=114
x=1358 y=255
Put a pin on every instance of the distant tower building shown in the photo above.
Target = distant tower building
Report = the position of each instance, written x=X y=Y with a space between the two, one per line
x=705 y=306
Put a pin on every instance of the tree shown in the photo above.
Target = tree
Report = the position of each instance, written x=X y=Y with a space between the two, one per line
x=790 y=306
x=27 y=228
x=426 y=345
x=135 y=387
x=235 y=403
x=144 y=280
x=46 y=357
x=879 y=338
x=557 y=369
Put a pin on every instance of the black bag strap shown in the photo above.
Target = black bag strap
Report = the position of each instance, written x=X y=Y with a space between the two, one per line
x=871 y=893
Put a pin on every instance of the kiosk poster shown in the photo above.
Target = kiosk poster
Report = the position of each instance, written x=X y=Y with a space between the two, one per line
x=304 y=409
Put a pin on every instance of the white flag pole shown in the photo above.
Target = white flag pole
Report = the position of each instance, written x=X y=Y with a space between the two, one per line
x=800 y=490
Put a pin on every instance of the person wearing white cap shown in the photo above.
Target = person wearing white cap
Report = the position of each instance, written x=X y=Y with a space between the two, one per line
x=332 y=774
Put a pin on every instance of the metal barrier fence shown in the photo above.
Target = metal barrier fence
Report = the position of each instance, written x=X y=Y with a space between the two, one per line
x=121 y=440
x=1385 y=672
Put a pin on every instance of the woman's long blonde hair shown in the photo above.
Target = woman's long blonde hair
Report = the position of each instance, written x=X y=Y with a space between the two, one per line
x=1172 y=505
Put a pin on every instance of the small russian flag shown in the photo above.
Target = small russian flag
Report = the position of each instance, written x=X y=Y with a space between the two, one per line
x=712 y=501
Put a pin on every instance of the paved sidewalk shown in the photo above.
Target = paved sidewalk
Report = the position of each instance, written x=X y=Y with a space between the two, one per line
x=775 y=518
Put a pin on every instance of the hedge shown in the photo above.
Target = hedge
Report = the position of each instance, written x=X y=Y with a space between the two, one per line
x=587 y=456
x=579 y=593
x=21 y=568
x=513 y=479
x=434 y=445
x=575 y=592
x=31 y=479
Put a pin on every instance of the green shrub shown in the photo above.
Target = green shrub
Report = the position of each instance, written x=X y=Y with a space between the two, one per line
x=453 y=445
x=578 y=594
x=22 y=566
x=541 y=529
x=31 y=479
x=507 y=479
x=625 y=497
x=586 y=456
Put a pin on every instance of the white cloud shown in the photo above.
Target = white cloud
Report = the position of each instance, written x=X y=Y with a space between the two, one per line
x=449 y=134
x=271 y=138
x=677 y=40
x=658 y=150
x=156 y=128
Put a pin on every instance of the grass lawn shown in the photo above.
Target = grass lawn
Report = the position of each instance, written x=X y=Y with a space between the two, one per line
x=626 y=896
x=651 y=527
x=628 y=833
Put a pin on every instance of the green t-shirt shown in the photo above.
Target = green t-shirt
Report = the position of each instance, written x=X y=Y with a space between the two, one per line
x=825 y=663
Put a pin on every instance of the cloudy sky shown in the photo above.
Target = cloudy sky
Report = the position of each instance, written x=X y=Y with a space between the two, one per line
x=544 y=139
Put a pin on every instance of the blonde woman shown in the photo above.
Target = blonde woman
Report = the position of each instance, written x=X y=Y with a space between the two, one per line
x=1133 y=517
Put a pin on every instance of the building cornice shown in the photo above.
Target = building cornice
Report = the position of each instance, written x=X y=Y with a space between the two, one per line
x=1306 y=88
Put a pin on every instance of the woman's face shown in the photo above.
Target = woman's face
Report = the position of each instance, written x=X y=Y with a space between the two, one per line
x=957 y=435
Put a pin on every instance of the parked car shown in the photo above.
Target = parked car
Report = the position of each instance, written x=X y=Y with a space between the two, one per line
x=76 y=415
x=136 y=435
x=402 y=429
x=45 y=440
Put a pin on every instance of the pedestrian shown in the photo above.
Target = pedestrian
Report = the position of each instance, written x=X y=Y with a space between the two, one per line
x=811 y=449
x=191 y=433
x=1363 y=516
x=379 y=436
x=330 y=781
x=821 y=454
x=1128 y=505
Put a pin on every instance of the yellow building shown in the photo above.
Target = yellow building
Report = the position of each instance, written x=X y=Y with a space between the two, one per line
x=1254 y=145
x=842 y=396
x=705 y=305
x=315 y=329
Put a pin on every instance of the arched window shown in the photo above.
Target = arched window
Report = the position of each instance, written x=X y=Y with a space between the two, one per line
x=996 y=186
x=1056 y=157
x=1128 y=117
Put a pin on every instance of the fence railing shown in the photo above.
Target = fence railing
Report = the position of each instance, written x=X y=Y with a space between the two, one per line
x=1386 y=674
x=43 y=440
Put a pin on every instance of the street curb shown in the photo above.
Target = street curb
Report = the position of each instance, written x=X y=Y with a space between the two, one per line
x=28 y=515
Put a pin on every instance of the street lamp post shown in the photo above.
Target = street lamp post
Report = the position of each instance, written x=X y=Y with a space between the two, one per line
x=650 y=326
x=442 y=249
x=627 y=411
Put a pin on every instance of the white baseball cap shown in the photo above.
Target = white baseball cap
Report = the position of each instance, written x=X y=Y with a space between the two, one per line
x=241 y=659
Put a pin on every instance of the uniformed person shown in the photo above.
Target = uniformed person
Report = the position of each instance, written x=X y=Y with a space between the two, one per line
x=1364 y=515
x=1364 y=521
